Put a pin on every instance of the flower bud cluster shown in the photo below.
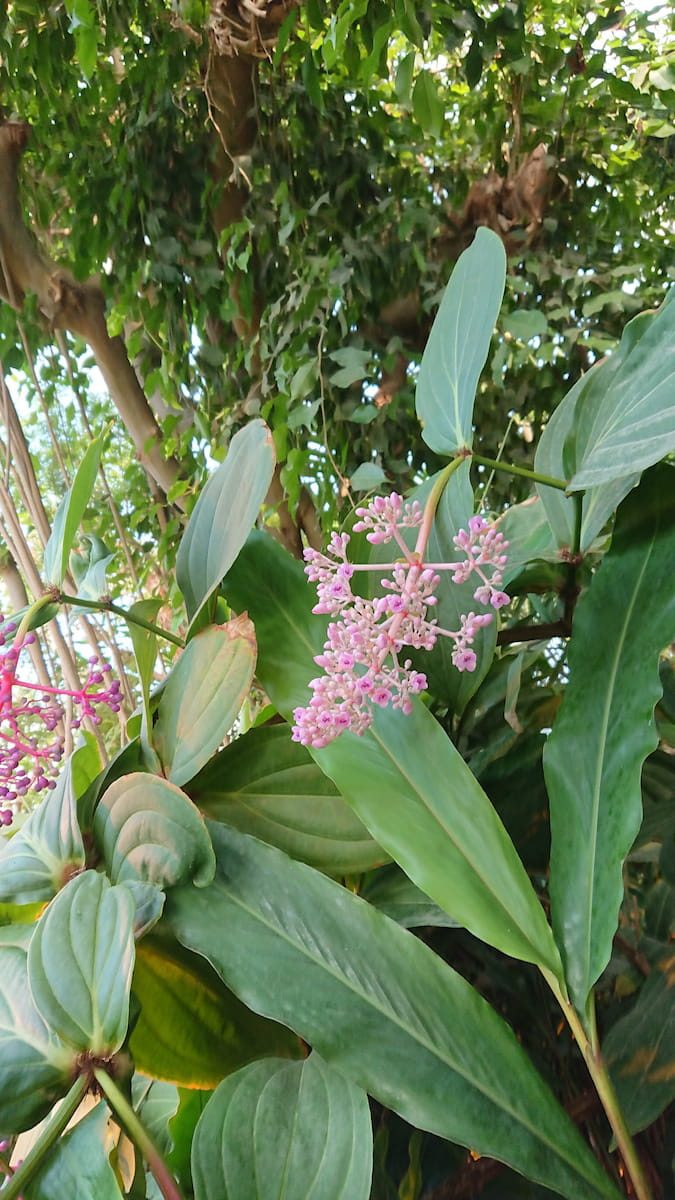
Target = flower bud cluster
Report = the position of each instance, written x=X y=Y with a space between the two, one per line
x=27 y=709
x=362 y=656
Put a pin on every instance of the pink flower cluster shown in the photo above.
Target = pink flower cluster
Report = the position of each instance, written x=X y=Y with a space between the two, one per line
x=26 y=709
x=362 y=655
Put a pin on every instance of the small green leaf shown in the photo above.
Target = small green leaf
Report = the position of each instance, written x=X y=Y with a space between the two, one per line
x=277 y=1129
x=88 y=567
x=35 y=1066
x=48 y=848
x=80 y=961
x=367 y=477
x=69 y=515
x=191 y=1030
x=270 y=786
x=640 y=1049
x=144 y=643
x=78 y=1164
x=404 y=78
x=147 y=829
x=202 y=697
x=458 y=344
x=223 y=515
x=605 y=728
x=427 y=104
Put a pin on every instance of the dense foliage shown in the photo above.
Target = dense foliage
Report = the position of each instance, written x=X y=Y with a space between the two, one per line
x=225 y=232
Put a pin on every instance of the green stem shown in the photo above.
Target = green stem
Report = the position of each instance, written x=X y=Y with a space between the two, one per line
x=578 y=498
x=49 y=1135
x=603 y=1085
x=548 y=480
x=27 y=619
x=122 y=1109
x=108 y=606
x=432 y=504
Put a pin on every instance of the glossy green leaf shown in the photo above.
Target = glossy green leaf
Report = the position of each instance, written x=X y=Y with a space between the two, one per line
x=156 y=1104
x=80 y=961
x=147 y=829
x=458 y=344
x=640 y=1049
x=35 y=1066
x=69 y=514
x=630 y=425
x=605 y=728
x=380 y=1006
x=390 y=891
x=144 y=643
x=202 y=697
x=48 y=848
x=277 y=1129
x=78 y=1164
x=191 y=1030
x=223 y=515
x=88 y=567
x=527 y=529
x=270 y=786
x=427 y=104
x=461 y=855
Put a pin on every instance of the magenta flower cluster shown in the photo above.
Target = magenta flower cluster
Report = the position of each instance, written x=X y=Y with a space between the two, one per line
x=363 y=659
x=29 y=709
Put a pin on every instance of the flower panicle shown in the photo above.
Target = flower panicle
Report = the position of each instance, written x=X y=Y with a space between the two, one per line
x=361 y=658
x=28 y=708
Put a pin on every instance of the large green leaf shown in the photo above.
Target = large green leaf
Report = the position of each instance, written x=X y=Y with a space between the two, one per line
x=78 y=1164
x=69 y=514
x=148 y=829
x=640 y=1049
x=631 y=424
x=270 y=786
x=458 y=344
x=145 y=652
x=277 y=1130
x=381 y=1007
x=48 y=848
x=202 y=697
x=192 y=1030
x=35 y=1066
x=605 y=727
x=223 y=515
x=80 y=961
x=437 y=822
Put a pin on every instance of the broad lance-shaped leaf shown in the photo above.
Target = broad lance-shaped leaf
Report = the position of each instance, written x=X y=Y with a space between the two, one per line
x=640 y=1049
x=80 y=961
x=458 y=344
x=605 y=727
x=202 y=697
x=69 y=514
x=403 y=778
x=265 y=784
x=35 y=1065
x=223 y=515
x=277 y=1129
x=147 y=829
x=381 y=1007
x=48 y=848
x=192 y=1030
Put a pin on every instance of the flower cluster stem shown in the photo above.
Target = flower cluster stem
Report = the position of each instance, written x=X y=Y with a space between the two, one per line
x=49 y=1135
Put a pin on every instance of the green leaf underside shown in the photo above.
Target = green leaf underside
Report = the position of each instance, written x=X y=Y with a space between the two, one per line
x=223 y=515
x=403 y=774
x=192 y=1030
x=148 y=829
x=277 y=1129
x=69 y=514
x=640 y=1049
x=269 y=786
x=458 y=344
x=80 y=961
x=605 y=727
x=35 y=1067
x=380 y=1006
x=47 y=848
x=78 y=1164
x=202 y=697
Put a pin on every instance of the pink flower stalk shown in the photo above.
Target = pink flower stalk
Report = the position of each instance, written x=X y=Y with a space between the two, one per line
x=362 y=655
x=25 y=764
